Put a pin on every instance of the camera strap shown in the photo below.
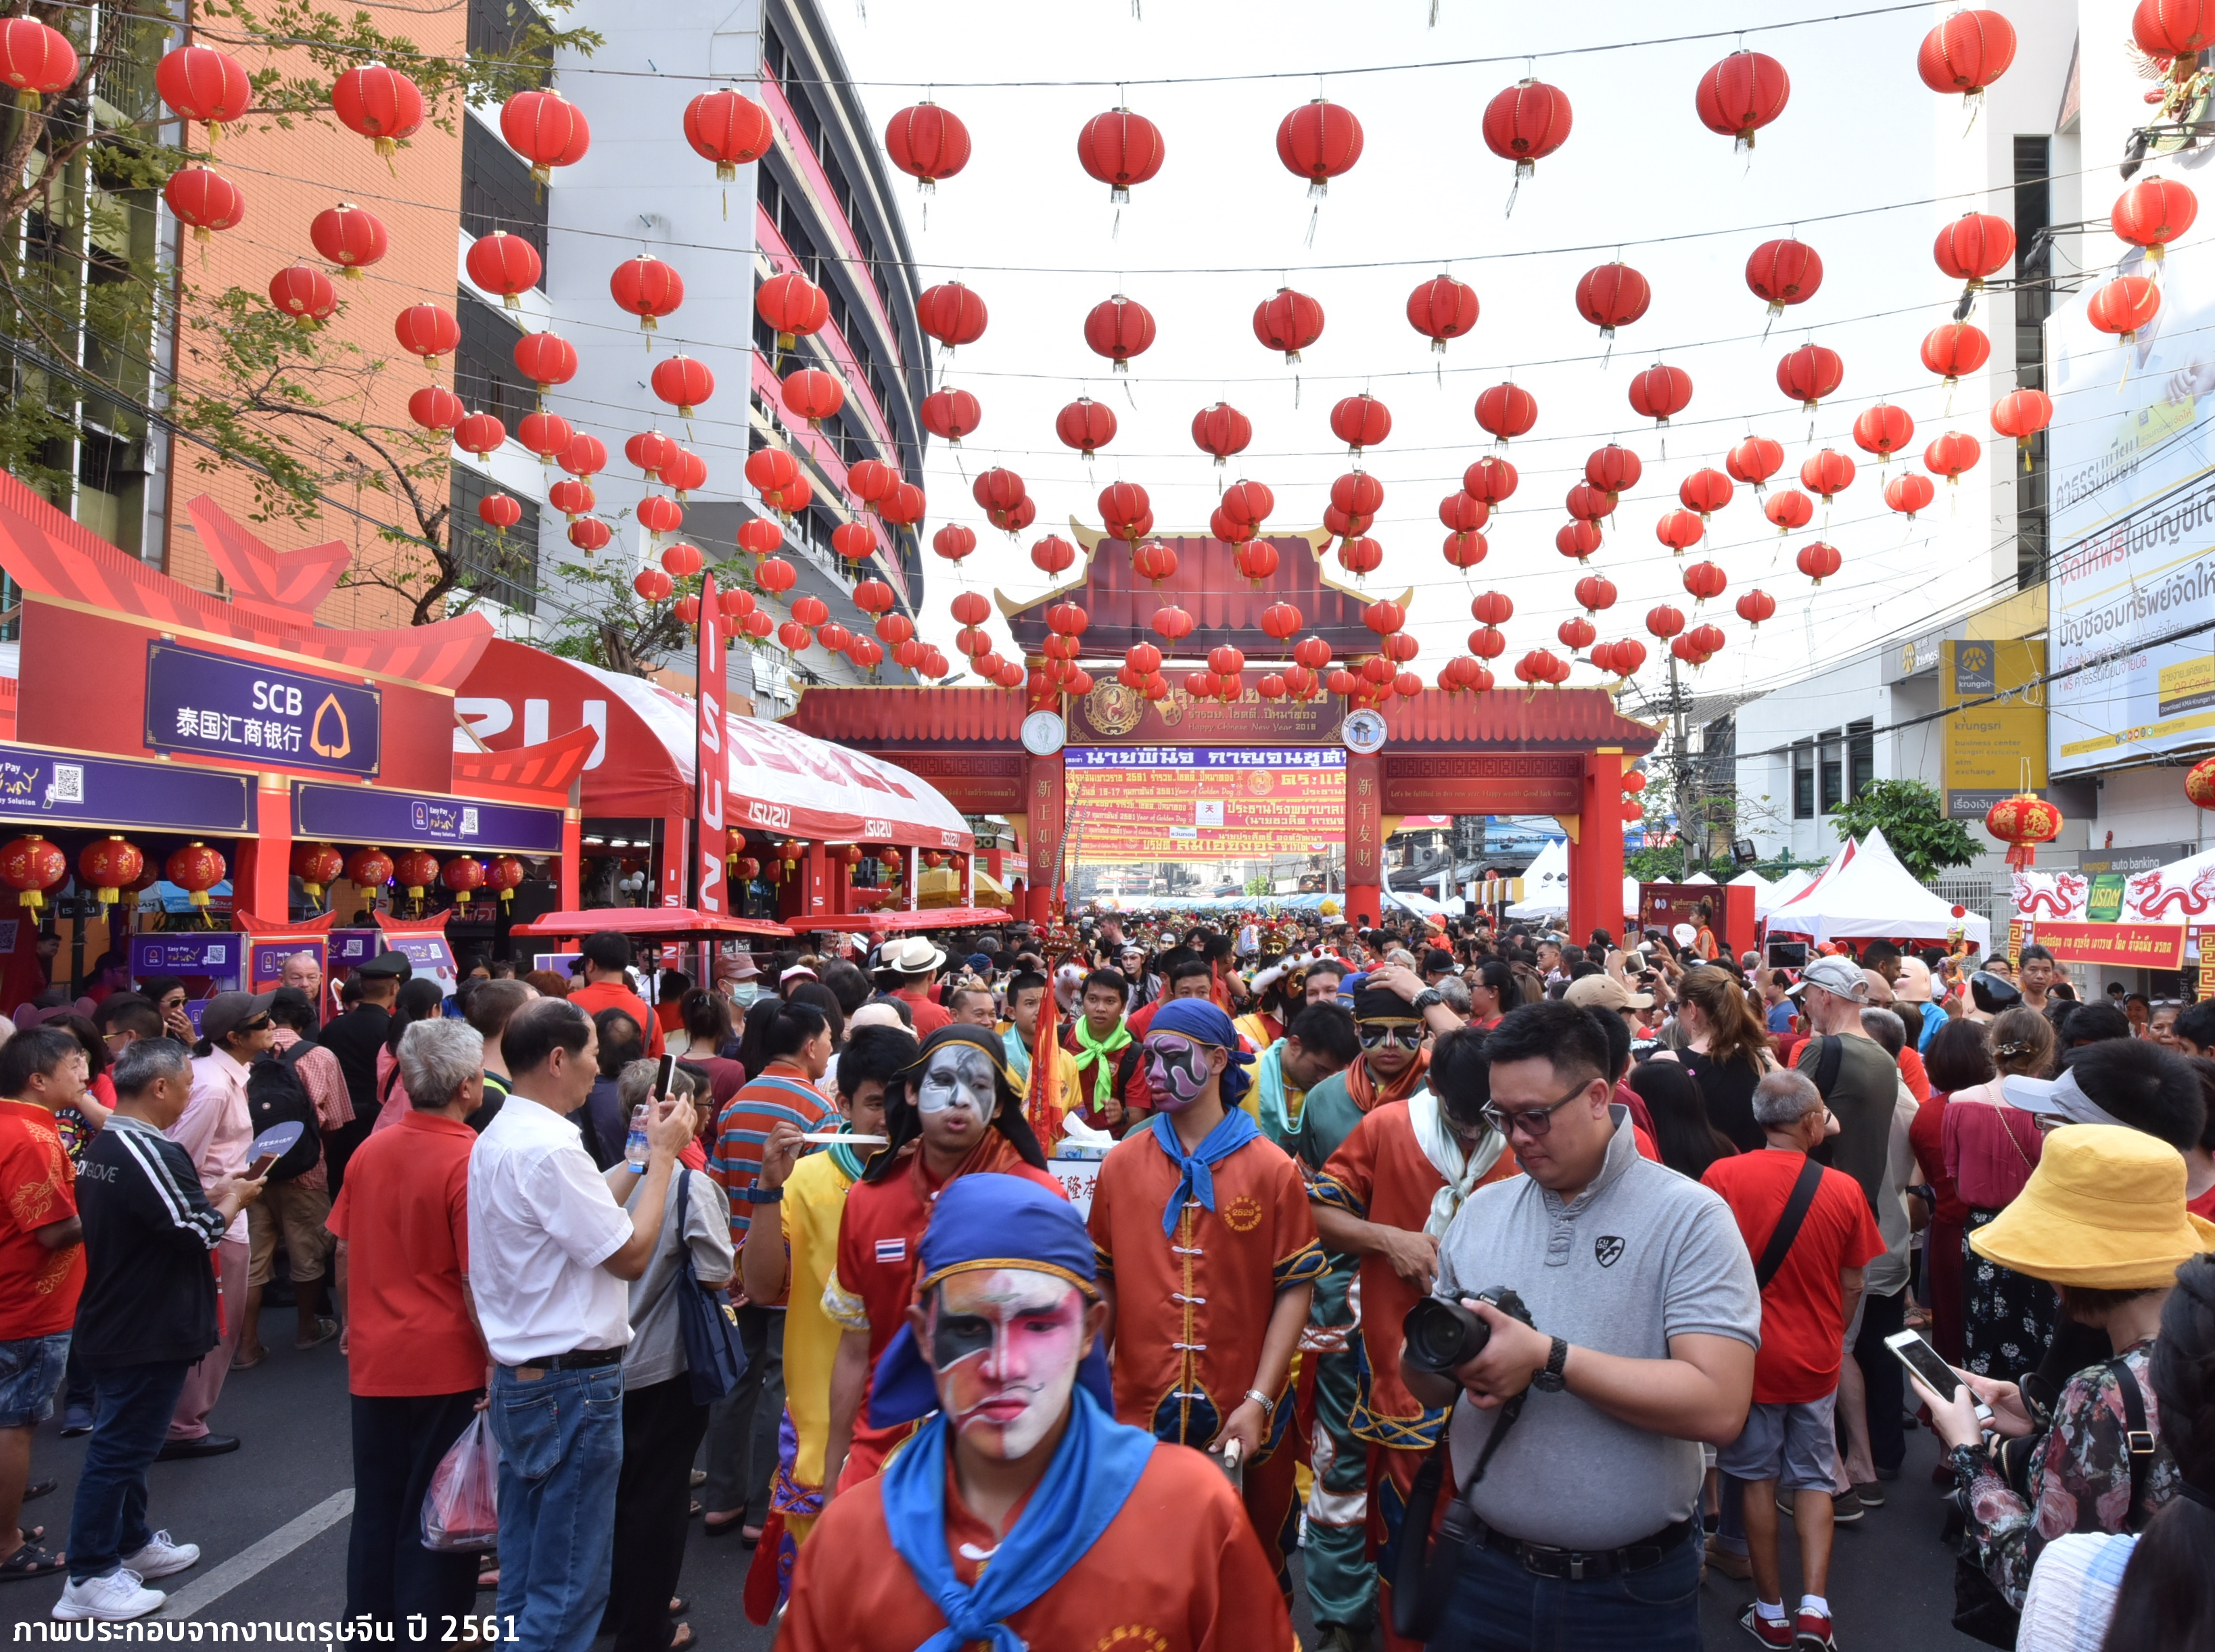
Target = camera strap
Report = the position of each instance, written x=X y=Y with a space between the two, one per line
x=1423 y=1574
x=1788 y=1225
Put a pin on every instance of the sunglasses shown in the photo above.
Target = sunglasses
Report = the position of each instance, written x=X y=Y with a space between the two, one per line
x=1533 y=1122
x=1408 y=1038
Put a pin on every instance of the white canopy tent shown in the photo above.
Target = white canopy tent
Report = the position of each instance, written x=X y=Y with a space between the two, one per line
x=1545 y=884
x=1866 y=893
x=1766 y=901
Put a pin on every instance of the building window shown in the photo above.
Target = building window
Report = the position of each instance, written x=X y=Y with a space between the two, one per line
x=497 y=192
x=484 y=366
x=1861 y=756
x=1830 y=772
x=773 y=53
x=500 y=567
x=1803 y=781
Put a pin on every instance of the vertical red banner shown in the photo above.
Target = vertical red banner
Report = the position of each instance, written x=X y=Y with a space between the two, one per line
x=1365 y=835
x=710 y=766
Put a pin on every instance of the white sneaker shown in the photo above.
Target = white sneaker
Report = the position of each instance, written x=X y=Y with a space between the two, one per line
x=161 y=1556
x=115 y=1598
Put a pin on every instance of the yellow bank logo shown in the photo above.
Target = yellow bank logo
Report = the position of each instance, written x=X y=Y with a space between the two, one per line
x=320 y=740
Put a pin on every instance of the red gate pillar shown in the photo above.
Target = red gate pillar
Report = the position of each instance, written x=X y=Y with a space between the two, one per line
x=261 y=882
x=1046 y=793
x=1596 y=848
x=1364 y=837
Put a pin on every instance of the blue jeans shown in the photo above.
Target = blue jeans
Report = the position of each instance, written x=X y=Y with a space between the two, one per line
x=1498 y=1607
x=132 y=1408
x=30 y=1377
x=560 y=1456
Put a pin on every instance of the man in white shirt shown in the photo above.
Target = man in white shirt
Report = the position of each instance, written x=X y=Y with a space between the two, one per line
x=215 y=1130
x=550 y=1249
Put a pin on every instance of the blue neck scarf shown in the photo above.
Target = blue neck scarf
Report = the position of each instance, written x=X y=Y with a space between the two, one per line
x=1094 y=1471
x=1194 y=1179
x=1019 y=1054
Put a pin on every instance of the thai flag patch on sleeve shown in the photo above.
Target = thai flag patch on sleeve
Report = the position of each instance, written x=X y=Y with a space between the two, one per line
x=892 y=1249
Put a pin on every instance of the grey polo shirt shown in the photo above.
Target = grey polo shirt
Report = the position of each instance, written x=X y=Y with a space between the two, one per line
x=1642 y=1255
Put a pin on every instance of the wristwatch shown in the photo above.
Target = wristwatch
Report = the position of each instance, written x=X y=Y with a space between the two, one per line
x=759 y=1194
x=1552 y=1379
x=1423 y=999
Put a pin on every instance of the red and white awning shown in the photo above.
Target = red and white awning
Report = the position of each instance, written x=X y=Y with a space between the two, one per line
x=780 y=781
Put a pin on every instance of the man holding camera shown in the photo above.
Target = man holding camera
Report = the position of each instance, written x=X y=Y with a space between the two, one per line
x=1576 y=1433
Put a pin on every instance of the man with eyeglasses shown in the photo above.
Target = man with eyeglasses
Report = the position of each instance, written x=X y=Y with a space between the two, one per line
x=1575 y=1436
x=1394 y=1015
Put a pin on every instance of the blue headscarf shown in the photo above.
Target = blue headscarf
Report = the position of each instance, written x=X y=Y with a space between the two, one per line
x=1197 y=1018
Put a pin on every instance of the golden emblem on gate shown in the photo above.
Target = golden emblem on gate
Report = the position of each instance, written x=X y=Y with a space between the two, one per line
x=326 y=745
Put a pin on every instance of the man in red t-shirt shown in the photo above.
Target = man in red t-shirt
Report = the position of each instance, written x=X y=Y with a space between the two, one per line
x=911 y=967
x=606 y=957
x=1790 y=1439
x=41 y=1263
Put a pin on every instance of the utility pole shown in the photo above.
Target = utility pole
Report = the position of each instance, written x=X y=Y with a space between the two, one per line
x=1680 y=751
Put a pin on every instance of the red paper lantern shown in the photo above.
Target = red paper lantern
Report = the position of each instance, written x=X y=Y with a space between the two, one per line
x=1384 y=618
x=1318 y=141
x=304 y=293
x=1506 y=411
x=1120 y=149
x=1626 y=657
x=659 y=514
x=683 y=561
x=1741 y=94
x=856 y=541
x=1660 y=393
x=427 y=330
x=573 y=499
x=1464 y=550
x=195 y=869
x=462 y=875
x=1577 y=539
x=1123 y=508
x=685 y=470
x=771 y=470
x=950 y=414
x=1596 y=592
x=1783 y=272
x=1490 y=480
x=505 y=874
x=730 y=129
x=2123 y=305
x=1576 y=634
x=927 y=142
x=369 y=869
x=503 y=264
x=1952 y=453
x=31 y=865
x=415 y=872
x=1819 y=561
x=997 y=489
x=1615 y=470
x=735 y=602
x=1755 y=606
x=1249 y=503
x=1828 y=474
x=1680 y=530
x=1810 y=373
x=1526 y=124
x=1312 y=652
x=1442 y=309
x=1360 y=421
x=201 y=83
x=968 y=607
x=684 y=383
x=2022 y=823
x=876 y=596
x=775 y=575
x=814 y=394
x=1291 y=321
x=1488 y=642
x=2022 y=414
x=952 y=314
x=353 y=239
x=1118 y=328
x=546 y=359
x=1908 y=493
x=1664 y=621
x=1956 y=348
x=758 y=624
x=759 y=537
x=1256 y=561
x=2153 y=212
x=1883 y=429
x=480 y=433
x=1707 y=639
x=500 y=510
x=954 y=542
x=647 y=288
x=1279 y=621
x=653 y=585
x=317 y=865
x=1067 y=620
x=1704 y=580
x=1706 y=492
x=794 y=636
x=1360 y=556
x=207 y=201
x=1754 y=461
x=1610 y=295
x=2199 y=783
x=2173 y=28
x=1790 y=509
x=1052 y=554
x=1222 y=430
x=379 y=103
x=1966 y=53
x=1492 y=607
x=1154 y=562
x=590 y=533
x=1974 y=246
x=1086 y=425
x=1357 y=493
x=1143 y=658
x=793 y=305
x=1462 y=514
x=544 y=434
x=546 y=129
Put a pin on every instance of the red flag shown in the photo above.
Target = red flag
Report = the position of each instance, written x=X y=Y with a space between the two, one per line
x=1042 y=1104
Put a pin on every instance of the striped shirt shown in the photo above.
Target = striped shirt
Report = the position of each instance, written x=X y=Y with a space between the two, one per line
x=781 y=1094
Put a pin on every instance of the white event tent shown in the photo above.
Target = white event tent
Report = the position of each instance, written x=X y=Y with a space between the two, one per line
x=1866 y=893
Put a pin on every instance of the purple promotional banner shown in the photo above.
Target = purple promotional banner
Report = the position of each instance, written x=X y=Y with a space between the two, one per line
x=55 y=789
x=249 y=713
x=351 y=948
x=371 y=815
x=218 y=955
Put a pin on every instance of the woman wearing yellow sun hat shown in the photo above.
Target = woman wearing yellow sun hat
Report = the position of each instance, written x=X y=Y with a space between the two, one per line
x=2102 y=1220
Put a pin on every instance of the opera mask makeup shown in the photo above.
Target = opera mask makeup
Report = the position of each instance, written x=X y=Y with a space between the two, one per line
x=1006 y=1344
x=1176 y=1068
x=957 y=1075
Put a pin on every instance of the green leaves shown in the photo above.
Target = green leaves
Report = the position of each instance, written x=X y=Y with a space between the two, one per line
x=1912 y=817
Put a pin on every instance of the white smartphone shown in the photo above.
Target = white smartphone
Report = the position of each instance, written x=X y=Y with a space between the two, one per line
x=1919 y=1357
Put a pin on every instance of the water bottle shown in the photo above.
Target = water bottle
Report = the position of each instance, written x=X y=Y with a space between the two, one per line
x=634 y=1145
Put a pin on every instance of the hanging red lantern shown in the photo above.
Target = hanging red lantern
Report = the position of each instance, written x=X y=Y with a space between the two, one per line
x=1783 y=272
x=1318 y=141
x=2123 y=305
x=499 y=263
x=546 y=129
x=1462 y=514
x=685 y=470
x=1810 y=373
x=317 y=865
x=1280 y=620
x=544 y=435
x=205 y=201
x=500 y=510
x=1357 y=493
x=735 y=602
x=31 y=865
x=759 y=537
x=653 y=585
x=1908 y=493
x=954 y=542
x=1790 y=509
x=1883 y=429
x=480 y=433
x=1086 y=425
x=1312 y=652
x=813 y=394
x=1271 y=686
x=2153 y=212
x=1596 y=592
x=1828 y=474
x=1225 y=661
x=1067 y=620
x=427 y=330
x=731 y=130
x=1464 y=550
x=952 y=314
x=1955 y=349
x=659 y=514
x=505 y=874
x=415 y=872
x=1052 y=554
x=1118 y=328
x=1974 y=246
x=1577 y=539
x=1610 y=295
x=1707 y=639
x=1291 y=321
x=684 y=383
x=546 y=359
x=793 y=306
x=1506 y=411
x=1123 y=508
x=775 y=575
x=1384 y=618
x=1967 y=53
x=1143 y=658
x=1120 y=149
x=2022 y=414
x=927 y=142
x=1613 y=469
x=1221 y=430
x=379 y=103
x=1576 y=634
x=1660 y=393
x=1664 y=621
x=1706 y=492
x=305 y=294
x=1489 y=481
x=1680 y=530
x=590 y=533
x=1819 y=561
x=1360 y=556
x=2022 y=823
x=856 y=541
x=348 y=237
x=1013 y=519
x=369 y=869
x=1754 y=461
x=202 y=83
x=1754 y=607
x=647 y=288
x=1741 y=94
x=573 y=499
x=196 y=869
x=1256 y=561
x=1952 y=453
x=1154 y=562
x=2200 y=784
x=1488 y=642
x=997 y=489
x=1704 y=580
x=1442 y=309
x=683 y=561
x=1624 y=658
x=1491 y=607
x=1249 y=502
x=969 y=607
x=463 y=875
x=794 y=636
x=2173 y=28
x=771 y=470
x=758 y=624
x=950 y=415
x=1360 y=421
x=1526 y=124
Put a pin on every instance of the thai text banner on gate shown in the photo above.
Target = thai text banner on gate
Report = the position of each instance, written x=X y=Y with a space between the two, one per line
x=1113 y=714
x=1155 y=814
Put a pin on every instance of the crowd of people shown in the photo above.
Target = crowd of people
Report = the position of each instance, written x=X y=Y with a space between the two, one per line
x=1512 y=1284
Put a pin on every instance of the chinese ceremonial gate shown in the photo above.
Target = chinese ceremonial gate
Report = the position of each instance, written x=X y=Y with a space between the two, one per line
x=1520 y=751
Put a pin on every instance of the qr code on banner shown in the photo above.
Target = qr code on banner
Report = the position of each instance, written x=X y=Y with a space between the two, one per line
x=68 y=785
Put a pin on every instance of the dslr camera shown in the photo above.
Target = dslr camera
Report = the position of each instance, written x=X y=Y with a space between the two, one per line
x=1442 y=1336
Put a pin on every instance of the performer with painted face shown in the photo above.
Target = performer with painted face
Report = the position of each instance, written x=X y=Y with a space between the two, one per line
x=1207 y=1250
x=955 y=1110
x=1095 y=1535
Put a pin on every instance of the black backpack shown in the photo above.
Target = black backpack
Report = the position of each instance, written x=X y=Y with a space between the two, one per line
x=275 y=1095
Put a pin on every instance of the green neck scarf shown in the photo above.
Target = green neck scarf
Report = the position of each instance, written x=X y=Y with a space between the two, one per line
x=843 y=1156
x=1103 y=1051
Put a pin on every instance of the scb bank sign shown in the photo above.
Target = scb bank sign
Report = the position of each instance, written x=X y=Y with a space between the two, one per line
x=251 y=713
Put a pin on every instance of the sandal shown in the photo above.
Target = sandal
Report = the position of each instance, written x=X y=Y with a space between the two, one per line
x=716 y=1529
x=679 y=1606
x=31 y=1561
x=325 y=1329
x=694 y=1512
x=41 y=1488
x=488 y=1579
x=683 y=1639
x=248 y=1365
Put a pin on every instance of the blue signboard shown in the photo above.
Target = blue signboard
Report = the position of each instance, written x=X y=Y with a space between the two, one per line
x=220 y=955
x=249 y=713
x=351 y=948
x=366 y=814
x=54 y=788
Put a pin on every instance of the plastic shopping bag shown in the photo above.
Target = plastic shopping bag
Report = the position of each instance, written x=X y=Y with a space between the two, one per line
x=461 y=1511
